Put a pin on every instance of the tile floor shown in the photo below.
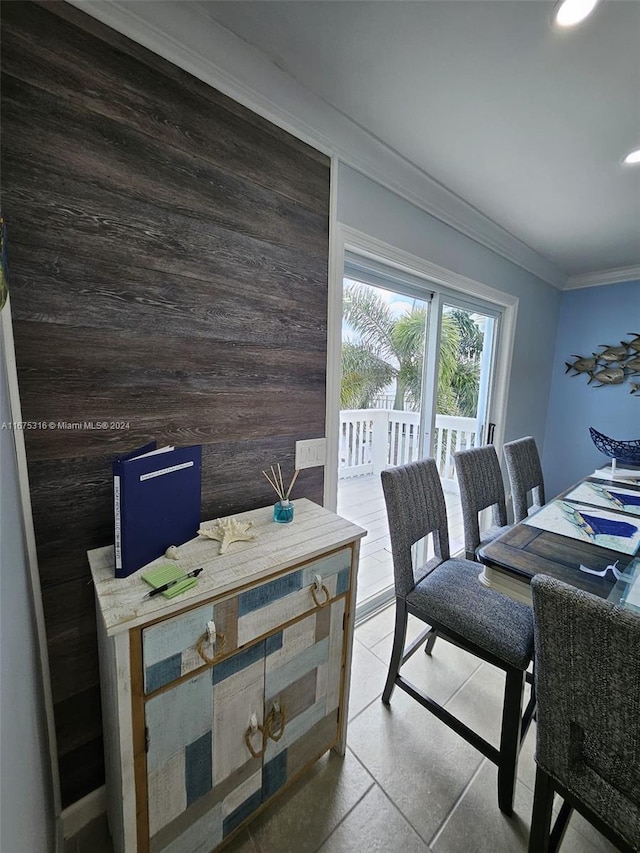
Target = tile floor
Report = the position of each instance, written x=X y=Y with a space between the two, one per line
x=407 y=782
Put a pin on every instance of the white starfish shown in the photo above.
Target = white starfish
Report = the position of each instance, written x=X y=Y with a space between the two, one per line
x=228 y=530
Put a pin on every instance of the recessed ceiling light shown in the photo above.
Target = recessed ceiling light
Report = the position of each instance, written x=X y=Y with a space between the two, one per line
x=568 y=13
x=632 y=157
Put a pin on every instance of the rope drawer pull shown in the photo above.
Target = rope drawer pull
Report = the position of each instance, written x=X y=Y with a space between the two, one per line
x=213 y=638
x=253 y=729
x=275 y=722
x=318 y=587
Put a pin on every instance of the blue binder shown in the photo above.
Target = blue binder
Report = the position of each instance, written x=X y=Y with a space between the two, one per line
x=156 y=502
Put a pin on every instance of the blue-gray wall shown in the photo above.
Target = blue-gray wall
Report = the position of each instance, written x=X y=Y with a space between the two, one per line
x=588 y=317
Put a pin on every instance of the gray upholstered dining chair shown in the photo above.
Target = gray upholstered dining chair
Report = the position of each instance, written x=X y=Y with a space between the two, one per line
x=446 y=594
x=587 y=673
x=481 y=486
x=525 y=475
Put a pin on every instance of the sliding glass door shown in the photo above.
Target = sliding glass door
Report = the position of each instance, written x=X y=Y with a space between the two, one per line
x=417 y=369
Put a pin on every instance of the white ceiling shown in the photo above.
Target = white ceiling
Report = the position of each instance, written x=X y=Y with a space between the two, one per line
x=527 y=124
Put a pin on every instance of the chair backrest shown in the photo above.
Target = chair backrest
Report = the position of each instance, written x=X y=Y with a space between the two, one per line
x=481 y=486
x=587 y=672
x=525 y=474
x=415 y=507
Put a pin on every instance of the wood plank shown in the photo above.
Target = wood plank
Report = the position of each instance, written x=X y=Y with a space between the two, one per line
x=295 y=639
x=135 y=746
x=173 y=831
x=278 y=612
x=60 y=485
x=298 y=696
x=572 y=552
x=167 y=793
x=310 y=747
x=81 y=770
x=71 y=634
x=234 y=700
x=336 y=650
x=222 y=355
x=79 y=720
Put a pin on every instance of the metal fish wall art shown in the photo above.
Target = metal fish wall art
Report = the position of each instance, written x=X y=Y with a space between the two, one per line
x=582 y=365
x=613 y=353
x=607 y=376
x=635 y=343
x=613 y=365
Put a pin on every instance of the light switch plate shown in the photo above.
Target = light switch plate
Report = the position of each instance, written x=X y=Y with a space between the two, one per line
x=311 y=452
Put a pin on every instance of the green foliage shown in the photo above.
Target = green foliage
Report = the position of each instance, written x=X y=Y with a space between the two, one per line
x=364 y=375
x=471 y=338
x=461 y=344
x=393 y=348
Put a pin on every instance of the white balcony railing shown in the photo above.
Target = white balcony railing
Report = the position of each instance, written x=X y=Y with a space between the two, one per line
x=373 y=439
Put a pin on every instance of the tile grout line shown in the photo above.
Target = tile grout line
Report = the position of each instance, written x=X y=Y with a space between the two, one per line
x=368 y=705
x=464 y=791
x=461 y=686
x=401 y=812
x=371 y=784
x=354 y=806
x=403 y=815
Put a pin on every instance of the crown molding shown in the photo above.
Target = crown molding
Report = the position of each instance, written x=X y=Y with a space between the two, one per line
x=185 y=34
x=595 y=279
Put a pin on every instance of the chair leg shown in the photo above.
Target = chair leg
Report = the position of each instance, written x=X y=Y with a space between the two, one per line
x=431 y=641
x=399 y=638
x=510 y=739
x=560 y=826
x=542 y=813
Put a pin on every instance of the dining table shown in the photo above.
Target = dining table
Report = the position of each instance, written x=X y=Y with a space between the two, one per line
x=588 y=537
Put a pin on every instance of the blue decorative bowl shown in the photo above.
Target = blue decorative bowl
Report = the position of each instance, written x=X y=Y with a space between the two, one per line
x=625 y=452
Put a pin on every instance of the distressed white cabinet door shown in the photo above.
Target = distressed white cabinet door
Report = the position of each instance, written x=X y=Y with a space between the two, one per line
x=203 y=779
x=303 y=675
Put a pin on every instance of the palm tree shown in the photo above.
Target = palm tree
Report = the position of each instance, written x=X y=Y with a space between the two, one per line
x=364 y=375
x=392 y=348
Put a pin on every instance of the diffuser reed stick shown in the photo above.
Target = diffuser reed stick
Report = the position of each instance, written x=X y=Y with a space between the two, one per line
x=276 y=482
x=293 y=479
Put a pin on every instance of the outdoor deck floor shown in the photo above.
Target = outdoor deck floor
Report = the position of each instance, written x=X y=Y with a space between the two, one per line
x=360 y=500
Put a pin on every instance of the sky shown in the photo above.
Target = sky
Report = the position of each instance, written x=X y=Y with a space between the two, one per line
x=398 y=304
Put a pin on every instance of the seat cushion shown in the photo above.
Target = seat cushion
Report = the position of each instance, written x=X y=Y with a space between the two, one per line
x=452 y=596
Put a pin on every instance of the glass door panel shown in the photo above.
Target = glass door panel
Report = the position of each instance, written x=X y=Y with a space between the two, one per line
x=381 y=413
x=464 y=384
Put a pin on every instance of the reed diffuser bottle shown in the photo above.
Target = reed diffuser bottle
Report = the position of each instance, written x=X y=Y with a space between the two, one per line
x=283 y=509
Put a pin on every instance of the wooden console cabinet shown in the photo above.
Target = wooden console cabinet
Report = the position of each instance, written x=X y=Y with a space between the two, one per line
x=215 y=700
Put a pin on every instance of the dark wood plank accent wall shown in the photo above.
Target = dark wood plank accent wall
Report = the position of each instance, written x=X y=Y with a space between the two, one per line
x=168 y=267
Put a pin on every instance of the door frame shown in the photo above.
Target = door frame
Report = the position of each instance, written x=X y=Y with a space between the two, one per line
x=438 y=280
